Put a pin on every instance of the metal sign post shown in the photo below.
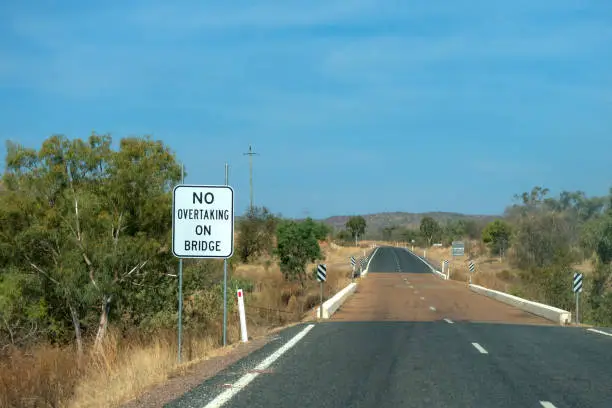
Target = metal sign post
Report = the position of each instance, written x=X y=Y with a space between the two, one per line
x=321 y=277
x=577 y=287
x=180 y=290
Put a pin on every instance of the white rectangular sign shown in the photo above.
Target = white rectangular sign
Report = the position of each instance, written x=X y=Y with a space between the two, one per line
x=202 y=221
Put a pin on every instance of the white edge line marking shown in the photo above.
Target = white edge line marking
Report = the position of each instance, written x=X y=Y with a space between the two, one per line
x=367 y=269
x=547 y=404
x=600 y=332
x=422 y=260
x=480 y=348
x=449 y=321
x=432 y=308
x=226 y=395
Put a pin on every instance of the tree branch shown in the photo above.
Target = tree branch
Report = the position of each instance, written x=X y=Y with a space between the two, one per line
x=91 y=269
x=136 y=268
x=37 y=268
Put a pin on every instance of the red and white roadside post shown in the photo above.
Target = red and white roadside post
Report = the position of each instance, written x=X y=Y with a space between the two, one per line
x=243 y=328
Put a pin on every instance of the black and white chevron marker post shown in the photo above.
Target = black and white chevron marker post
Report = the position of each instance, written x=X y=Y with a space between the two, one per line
x=353 y=263
x=472 y=267
x=321 y=277
x=321 y=272
x=577 y=287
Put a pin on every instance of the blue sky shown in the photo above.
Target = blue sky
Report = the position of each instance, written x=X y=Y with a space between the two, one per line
x=355 y=106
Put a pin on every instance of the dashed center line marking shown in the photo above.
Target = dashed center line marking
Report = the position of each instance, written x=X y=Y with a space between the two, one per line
x=432 y=308
x=480 y=348
x=449 y=321
x=547 y=404
x=600 y=332
x=236 y=387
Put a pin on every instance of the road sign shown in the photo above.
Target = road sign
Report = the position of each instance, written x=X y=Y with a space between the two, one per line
x=458 y=248
x=322 y=272
x=203 y=221
x=577 y=282
x=353 y=261
x=472 y=266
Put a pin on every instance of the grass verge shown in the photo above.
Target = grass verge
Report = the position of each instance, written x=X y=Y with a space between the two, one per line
x=48 y=376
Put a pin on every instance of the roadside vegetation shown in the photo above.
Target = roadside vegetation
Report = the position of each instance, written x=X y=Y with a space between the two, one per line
x=533 y=250
x=88 y=283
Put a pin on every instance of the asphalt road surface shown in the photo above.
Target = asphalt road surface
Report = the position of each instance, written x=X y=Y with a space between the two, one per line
x=390 y=259
x=410 y=339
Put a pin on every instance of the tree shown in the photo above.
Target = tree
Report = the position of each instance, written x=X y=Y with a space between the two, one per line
x=453 y=230
x=319 y=229
x=256 y=234
x=540 y=233
x=356 y=225
x=497 y=236
x=409 y=235
x=343 y=236
x=297 y=245
x=92 y=227
x=387 y=233
x=430 y=229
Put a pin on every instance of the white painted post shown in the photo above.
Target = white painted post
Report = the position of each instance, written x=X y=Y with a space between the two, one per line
x=243 y=328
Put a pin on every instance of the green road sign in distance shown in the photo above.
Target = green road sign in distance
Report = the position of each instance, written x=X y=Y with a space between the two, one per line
x=458 y=248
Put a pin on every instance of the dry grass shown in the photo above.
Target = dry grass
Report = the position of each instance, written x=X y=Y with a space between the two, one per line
x=49 y=376
x=125 y=369
x=40 y=377
x=121 y=373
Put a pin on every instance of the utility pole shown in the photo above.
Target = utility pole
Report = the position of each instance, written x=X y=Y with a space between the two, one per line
x=251 y=153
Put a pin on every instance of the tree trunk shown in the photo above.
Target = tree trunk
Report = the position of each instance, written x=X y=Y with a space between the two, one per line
x=103 y=322
x=77 y=331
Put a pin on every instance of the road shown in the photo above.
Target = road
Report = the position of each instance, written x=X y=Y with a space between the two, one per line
x=410 y=339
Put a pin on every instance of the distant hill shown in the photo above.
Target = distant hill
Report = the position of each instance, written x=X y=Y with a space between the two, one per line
x=376 y=222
